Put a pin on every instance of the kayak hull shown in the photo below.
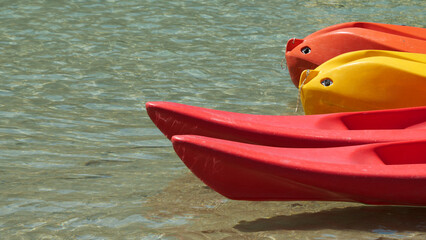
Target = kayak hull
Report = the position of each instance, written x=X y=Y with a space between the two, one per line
x=326 y=130
x=332 y=41
x=365 y=80
x=363 y=174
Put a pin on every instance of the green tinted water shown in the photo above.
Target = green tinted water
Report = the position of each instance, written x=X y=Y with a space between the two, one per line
x=79 y=157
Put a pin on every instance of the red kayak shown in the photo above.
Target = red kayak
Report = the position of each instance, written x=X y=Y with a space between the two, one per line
x=315 y=49
x=326 y=130
x=384 y=173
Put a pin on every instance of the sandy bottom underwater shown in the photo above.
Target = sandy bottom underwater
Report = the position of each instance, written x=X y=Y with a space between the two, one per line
x=208 y=215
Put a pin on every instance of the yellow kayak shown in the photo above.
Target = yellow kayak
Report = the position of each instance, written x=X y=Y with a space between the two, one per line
x=365 y=80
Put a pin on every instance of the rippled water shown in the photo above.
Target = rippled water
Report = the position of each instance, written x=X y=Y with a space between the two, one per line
x=80 y=158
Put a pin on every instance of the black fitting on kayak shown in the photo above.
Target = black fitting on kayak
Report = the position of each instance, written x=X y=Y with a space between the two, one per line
x=327 y=82
x=306 y=50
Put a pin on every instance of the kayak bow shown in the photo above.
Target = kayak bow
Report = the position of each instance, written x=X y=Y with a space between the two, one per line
x=318 y=47
x=326 y=130
x=365 y=80
x=386 y=173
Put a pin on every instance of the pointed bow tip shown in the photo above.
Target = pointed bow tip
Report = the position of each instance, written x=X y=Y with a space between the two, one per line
x=150 y=105
x=154 y=108
x=292 y=43
x=151 y=109
x=178 y=139
x=164 y=105
x=183 y=144
x=189 y=138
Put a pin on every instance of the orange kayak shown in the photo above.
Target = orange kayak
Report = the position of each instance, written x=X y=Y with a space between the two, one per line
x=315 y=49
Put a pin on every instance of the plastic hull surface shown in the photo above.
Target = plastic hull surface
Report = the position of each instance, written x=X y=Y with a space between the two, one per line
x=347 y=37
x=365 y=80
x=386 y=173
x=327 y=130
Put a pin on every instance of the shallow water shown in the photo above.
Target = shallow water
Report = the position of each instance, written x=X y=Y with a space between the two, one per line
x=80 y=158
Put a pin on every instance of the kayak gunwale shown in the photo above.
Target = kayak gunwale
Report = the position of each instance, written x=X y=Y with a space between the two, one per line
x=325 y=130
x=295 y=161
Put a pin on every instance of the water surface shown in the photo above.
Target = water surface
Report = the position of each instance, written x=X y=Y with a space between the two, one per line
x=79 y=157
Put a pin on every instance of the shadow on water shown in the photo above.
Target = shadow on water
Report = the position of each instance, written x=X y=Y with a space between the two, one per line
x=209 y=215
x=363 y=218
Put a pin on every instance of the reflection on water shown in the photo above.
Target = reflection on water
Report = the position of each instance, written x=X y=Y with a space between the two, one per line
x=79 y=157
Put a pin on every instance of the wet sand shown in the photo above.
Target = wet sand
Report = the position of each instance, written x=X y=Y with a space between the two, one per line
x=212 y=216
